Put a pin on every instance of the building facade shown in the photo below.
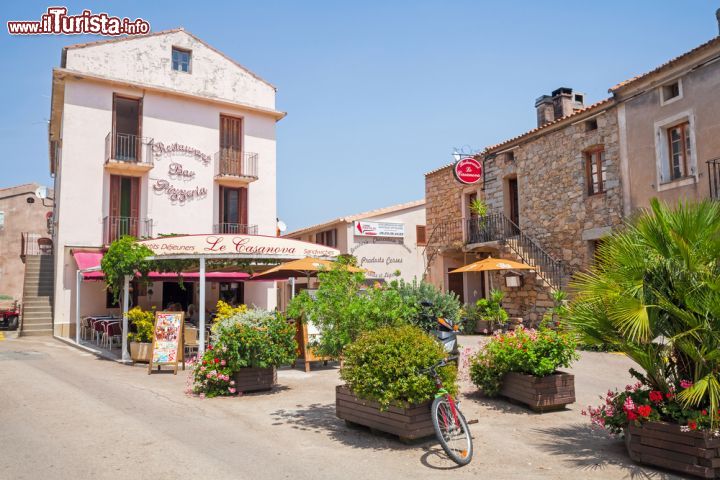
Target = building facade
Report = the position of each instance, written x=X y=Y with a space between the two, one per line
x=554 y=192
x=155 y=135
x=388 y=242
x=24 y=231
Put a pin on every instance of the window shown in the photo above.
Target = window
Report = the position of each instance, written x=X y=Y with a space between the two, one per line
x=421 y=234
x=595 y=246
x=591 y=125
x=595 y=170
x=671 y=91
x=181 y=60
x=510 y=156
x=679 y=150
x=2 y=219
x=327 y=238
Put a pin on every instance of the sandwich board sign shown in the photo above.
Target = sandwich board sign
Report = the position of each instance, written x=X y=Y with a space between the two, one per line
x=167 y=342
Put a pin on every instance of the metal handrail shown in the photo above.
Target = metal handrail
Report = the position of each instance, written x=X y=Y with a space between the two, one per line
x=235 y=228
x=128 y=148
x=714 y=177
x=236 y=162
x=115 y=227
x=35 y=244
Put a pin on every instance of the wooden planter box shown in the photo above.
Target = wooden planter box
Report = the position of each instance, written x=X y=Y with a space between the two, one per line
x=484 y=326
x=255 y=379
x=663 y=445
x=540 y=393
x=141 y=352
x=408 y=422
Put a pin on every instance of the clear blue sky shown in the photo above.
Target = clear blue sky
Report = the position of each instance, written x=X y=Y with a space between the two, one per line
x=377 y=92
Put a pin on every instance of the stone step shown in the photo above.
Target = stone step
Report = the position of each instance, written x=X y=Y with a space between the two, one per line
x=36 y=333
x=37 y=317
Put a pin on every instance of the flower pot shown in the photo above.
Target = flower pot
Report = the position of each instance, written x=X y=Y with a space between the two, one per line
x=664 y=445
x=255 y=379
x=408 y=422
x=141 y=352
x=541 y=394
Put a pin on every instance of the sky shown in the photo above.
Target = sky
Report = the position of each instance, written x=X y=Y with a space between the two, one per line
x=377 y=92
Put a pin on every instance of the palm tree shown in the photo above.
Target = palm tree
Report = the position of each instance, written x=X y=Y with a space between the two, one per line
x=654 y=293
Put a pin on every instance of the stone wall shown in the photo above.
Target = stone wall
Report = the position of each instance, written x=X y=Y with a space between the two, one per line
x=443 y=199
x=555 y=208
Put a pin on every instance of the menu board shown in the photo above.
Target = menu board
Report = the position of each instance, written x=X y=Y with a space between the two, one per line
x=167 y=340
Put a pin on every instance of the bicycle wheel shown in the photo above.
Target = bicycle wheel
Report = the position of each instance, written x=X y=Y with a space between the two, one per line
x=454 y=435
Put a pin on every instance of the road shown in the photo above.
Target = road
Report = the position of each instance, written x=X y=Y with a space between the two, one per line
x=65 y=414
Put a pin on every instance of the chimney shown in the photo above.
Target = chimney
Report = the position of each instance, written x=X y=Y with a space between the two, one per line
x=561 y=103
x=544 y=107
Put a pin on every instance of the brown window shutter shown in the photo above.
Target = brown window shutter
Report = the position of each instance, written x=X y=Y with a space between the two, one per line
x=243 y=207
x=114 y=210
x=421 y=234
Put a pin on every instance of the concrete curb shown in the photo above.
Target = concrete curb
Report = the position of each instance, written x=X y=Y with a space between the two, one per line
x=94 y=351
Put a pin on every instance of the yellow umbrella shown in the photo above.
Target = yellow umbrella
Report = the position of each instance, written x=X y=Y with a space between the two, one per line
x=491 y=264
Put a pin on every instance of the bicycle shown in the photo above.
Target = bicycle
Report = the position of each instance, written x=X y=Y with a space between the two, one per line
x=450 y=425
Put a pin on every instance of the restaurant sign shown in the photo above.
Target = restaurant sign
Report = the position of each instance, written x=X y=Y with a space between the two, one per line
x=379 y=229
x=468 y=171
x=240 y=246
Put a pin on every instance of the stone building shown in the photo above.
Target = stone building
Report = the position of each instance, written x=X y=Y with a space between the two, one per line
x=551 y=194
x=554 y=192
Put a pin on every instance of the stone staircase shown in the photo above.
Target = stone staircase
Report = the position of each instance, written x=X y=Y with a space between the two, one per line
x=37 y=304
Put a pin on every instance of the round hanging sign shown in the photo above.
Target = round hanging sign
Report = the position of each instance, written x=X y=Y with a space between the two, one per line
x=468 y=171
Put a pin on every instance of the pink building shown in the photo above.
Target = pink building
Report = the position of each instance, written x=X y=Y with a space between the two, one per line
x=153 y=135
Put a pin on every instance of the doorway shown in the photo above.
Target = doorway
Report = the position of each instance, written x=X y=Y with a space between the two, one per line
x=124 y=207
x=456 y=284
x=126 y=128
x=172 y=293
x=514 y=202
x=233 y=210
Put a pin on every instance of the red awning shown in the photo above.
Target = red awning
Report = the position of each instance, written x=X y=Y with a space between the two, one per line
x=87 y=260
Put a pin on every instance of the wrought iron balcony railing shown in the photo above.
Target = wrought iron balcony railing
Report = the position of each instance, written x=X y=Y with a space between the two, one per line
x=35 y=244
x=127 y=148
x=236 y=163
x=117 y=227
x=235 y=228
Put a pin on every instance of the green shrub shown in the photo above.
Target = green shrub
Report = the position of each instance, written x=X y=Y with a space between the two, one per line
x=445 y=305
x=342 y=309
x=144 y=321
x=382 y=365
x=539 y=353
x=487 y=309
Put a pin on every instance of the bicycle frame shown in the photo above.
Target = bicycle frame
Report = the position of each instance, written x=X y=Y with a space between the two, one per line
x=443 y=392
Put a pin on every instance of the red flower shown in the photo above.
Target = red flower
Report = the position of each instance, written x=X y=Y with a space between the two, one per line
x=217 y=360
x=204 y=362
x=669 y=395
x=704 y=412
x=644 y=410
x=631 y=415
x=692 y=425
x=209 y=347
x=656 y=396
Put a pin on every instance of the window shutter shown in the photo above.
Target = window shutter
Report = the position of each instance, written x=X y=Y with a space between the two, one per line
x=243 y=207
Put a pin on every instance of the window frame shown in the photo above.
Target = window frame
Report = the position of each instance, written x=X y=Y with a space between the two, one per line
x=665 y=101
x=685 y=150
x=172 y=59
x=323 y=238
x=418 y=236
x=663 y=152
x=596 y=156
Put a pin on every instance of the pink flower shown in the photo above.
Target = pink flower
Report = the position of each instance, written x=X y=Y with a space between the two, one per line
x=223 y=363
x=202 y=395
x=686 y=383
x=231 y=390
x=629 y=405
x=232 y=382
x=209 y=375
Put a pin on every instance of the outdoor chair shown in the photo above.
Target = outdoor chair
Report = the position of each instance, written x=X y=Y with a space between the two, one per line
x=190 y=337
x=113 y=330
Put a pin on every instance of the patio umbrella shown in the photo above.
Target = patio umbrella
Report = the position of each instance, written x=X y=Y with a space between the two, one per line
x=493 y=264
x=305 y=267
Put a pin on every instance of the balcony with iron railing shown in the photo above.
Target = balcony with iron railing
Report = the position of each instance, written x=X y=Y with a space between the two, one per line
x=235 y=228
x=117 y=227
x=126 y=153
x=35 y=244
x=714 y=178
x=234 y=167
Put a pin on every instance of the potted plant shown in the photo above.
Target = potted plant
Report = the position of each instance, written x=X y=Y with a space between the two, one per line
x=141 y=339
x=383 y=388
x=523 y=365
x=246 y=348
x=653 y=294
x=489 y=314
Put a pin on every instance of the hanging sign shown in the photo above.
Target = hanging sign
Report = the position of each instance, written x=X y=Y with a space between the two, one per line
x=379 y=229
x=167 y=340
x=468 y=171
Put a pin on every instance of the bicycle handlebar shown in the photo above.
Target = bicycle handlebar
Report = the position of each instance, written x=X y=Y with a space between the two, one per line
x=439 y=364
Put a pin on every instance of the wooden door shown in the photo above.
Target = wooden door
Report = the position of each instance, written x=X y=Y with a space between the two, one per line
x=456 y=284
x=233 y=210
x=514 y=201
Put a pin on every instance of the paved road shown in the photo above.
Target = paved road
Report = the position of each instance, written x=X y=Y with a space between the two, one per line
x=65 y=414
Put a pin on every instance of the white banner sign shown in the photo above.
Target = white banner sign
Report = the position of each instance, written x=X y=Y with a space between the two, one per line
x=379 y=229
x=249 y=246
